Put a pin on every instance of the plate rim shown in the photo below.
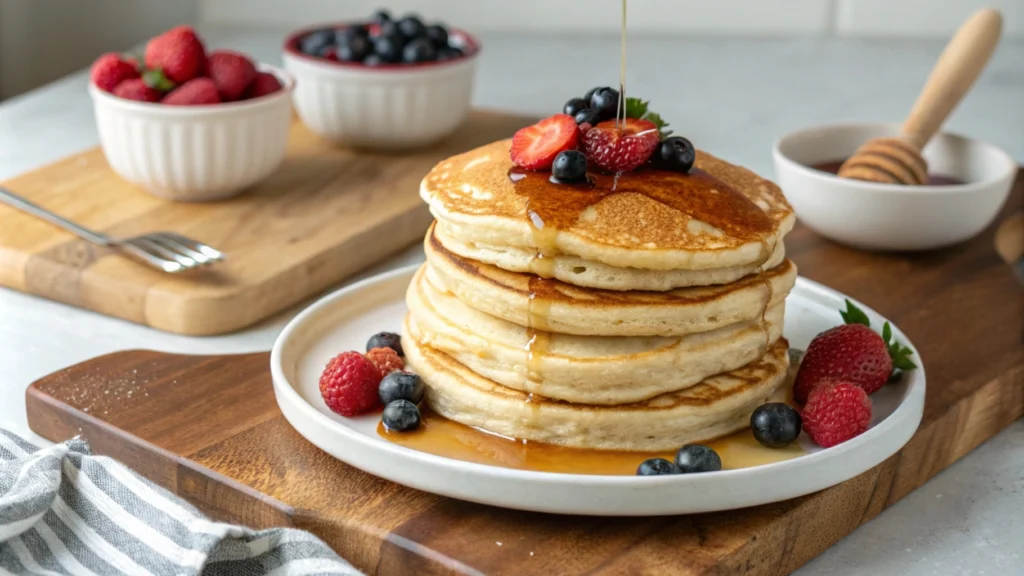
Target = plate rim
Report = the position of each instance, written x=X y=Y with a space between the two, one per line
x=285 y=390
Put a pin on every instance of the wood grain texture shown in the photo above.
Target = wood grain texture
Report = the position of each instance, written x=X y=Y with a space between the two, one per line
x=325 y=214
x=209 y=429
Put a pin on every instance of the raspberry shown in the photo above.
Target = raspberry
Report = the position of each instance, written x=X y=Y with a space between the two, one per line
x=835 y=412
x=136 y=89
x=851 y=353
x=620 y=149
x=178 y=52
x=231 y=72
x=193 y=93
x=264 y=83
x=109 y=70
x=349 y=384
x=386 y=360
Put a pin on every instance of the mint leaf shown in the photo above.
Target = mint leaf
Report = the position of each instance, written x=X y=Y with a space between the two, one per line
x=655 y=118
x=854 y=315
x=635 y=107
x=156 y=80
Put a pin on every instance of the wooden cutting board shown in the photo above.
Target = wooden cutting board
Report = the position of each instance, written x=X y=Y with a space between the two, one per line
x=326 y=213
x=208 y=428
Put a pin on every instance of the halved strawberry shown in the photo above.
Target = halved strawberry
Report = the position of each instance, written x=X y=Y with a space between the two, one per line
x=535 y=147
x=620 y=149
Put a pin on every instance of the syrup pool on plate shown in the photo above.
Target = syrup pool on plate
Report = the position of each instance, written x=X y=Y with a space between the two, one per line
x=442 y=437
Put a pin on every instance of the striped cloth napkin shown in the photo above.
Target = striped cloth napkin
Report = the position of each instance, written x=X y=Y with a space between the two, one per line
x=65 y=511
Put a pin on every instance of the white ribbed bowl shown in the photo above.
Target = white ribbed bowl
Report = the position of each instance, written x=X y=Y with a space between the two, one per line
x=388 y=107
x=195 y=153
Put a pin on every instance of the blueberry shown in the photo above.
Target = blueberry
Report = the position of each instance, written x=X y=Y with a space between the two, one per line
x=411 y=27
x=606 y=101
x=775 y=424
x=385 y=340
x=345 y=35
x=697 y=458
x=590 y=93
x=314 y=42
x=372 y=60
x=389 y=48
x=675 y=153
x=569 y=166
x=401 y=386
x=575 y=106
x=449 y=53
x=656 y=467
x=401 y=415
x=388 y=28
x=380 y=17
x=587 y=116
x=438 y=35
x=355 y=49
x=419 y=50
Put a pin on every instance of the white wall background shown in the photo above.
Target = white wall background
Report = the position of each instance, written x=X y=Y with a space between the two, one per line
x=749 y=17
x=41 y=40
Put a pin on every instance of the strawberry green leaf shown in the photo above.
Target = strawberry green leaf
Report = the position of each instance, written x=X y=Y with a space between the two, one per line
x=854 y=315
x=156 y=80
x=900 y=354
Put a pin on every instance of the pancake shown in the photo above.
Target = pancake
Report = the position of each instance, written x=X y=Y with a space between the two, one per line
x=555 y=306
x=717 y=406
x=718 y=216
x=584 y=369
x=591 y=274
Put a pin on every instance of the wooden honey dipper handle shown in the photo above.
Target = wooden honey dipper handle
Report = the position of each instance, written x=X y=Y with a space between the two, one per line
x=958 y=67
x=899 y=160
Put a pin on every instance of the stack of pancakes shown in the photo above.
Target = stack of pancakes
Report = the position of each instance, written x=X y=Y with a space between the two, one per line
x=638 y=312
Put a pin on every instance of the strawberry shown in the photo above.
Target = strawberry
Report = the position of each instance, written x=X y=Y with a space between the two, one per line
x=835 y=412
x=136 y=89
x=621 y=149
x=535 y=147
x=853 y=353
x=264 y=83
x=231 y=72
x=109 y=70
x=386 y=360
x=349 y=384
x=195 y=92
x=178 y=52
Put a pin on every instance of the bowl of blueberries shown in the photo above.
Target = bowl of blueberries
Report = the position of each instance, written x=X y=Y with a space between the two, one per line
x=384 y=83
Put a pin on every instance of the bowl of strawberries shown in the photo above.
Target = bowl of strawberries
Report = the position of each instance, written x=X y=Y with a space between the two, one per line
x=188 y=125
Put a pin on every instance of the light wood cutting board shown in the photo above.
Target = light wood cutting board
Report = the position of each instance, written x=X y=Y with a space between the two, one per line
x=324 y=215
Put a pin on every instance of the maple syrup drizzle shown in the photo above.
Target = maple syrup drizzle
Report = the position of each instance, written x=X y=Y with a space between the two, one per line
x=620 y=109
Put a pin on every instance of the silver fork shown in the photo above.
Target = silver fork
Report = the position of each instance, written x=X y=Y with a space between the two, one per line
x=166 y=251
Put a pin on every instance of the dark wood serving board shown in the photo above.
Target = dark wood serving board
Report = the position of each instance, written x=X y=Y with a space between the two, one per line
x=208 y=429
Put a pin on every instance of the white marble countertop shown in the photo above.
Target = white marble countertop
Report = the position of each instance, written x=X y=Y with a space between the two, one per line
x=733 y=97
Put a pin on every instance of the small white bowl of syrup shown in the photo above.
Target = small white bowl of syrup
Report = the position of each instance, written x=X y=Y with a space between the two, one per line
x=968 y=182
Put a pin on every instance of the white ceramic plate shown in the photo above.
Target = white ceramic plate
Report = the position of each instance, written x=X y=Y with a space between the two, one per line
x=345 y=319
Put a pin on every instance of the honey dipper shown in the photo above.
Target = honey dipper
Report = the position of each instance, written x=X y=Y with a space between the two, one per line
x=898 y=160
